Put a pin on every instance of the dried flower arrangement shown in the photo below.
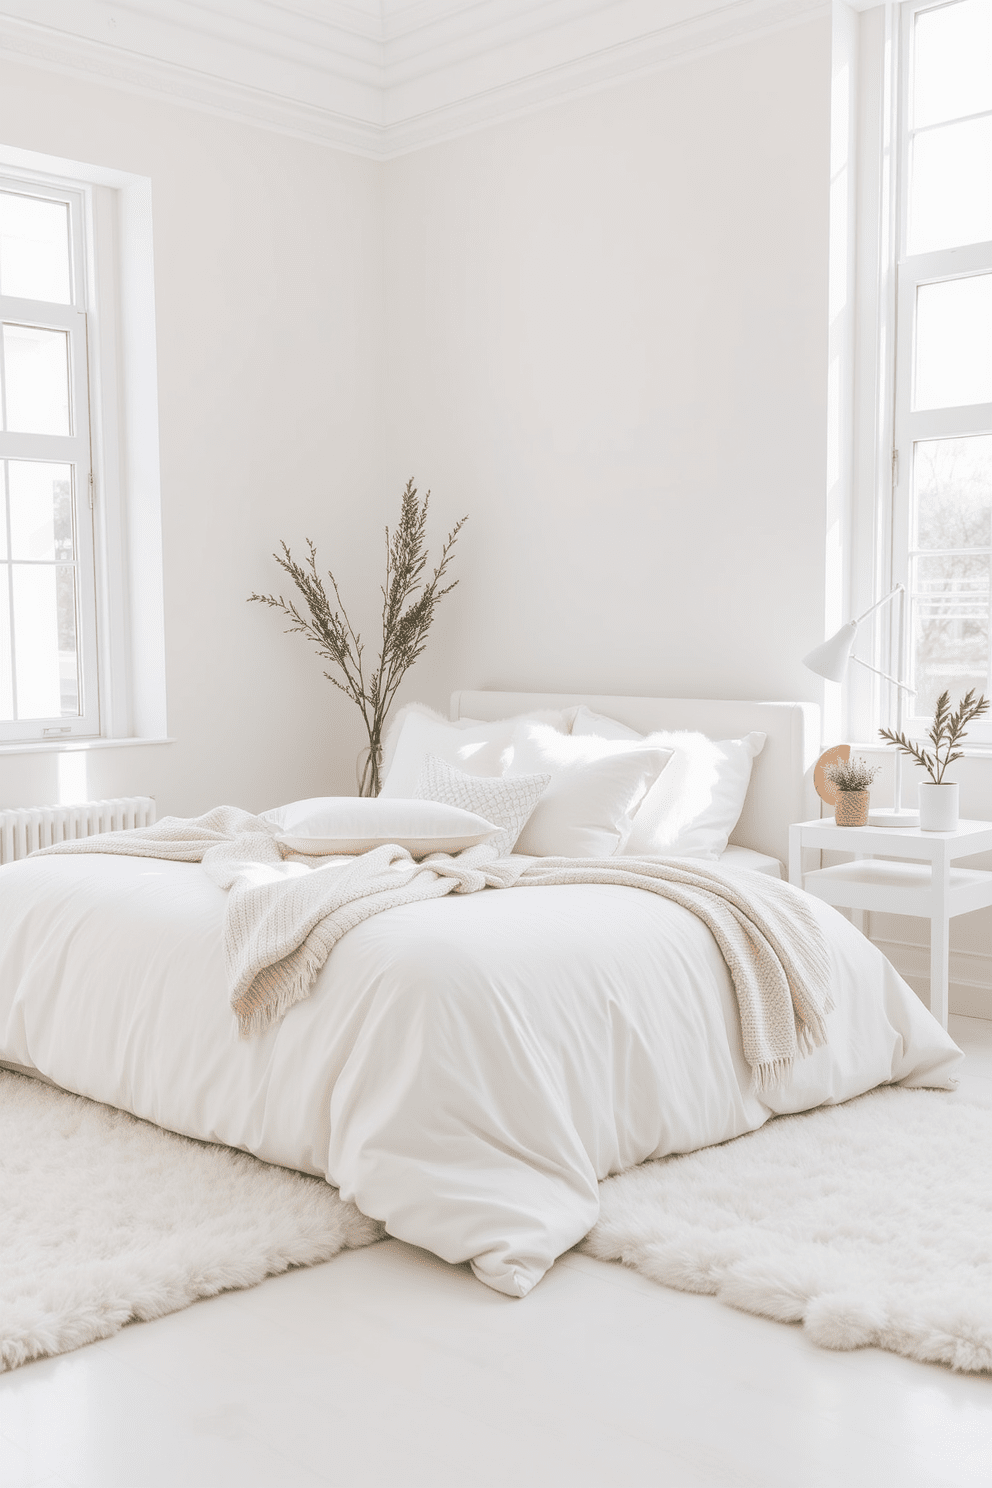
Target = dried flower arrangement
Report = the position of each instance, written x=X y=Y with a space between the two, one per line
x=406 y=619
x=946 y=733
x=851 y=775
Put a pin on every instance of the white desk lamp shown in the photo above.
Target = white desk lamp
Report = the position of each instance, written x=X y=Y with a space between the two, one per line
x=830 y=661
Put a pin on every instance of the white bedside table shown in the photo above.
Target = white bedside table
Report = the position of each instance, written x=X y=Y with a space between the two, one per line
x=927 y=885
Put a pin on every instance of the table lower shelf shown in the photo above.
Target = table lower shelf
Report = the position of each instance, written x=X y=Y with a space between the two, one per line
x=898 y=888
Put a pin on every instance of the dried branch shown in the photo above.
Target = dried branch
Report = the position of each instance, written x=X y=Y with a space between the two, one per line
x=408 y=609
x=946 y=733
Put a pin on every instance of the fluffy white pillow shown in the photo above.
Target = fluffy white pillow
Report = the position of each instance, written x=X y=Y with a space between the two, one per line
x=596 y=786
x=475 y=748
x=355 y=824
x=506 y=800
x=696 y=803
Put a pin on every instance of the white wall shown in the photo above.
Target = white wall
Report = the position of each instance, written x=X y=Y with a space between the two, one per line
x=607 y=341
x=600 y=329
x=268 y=280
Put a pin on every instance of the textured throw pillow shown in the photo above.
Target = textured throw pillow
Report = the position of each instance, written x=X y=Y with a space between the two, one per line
x=475 y=748
x=596 y=786
x=696 y=803
x=350 y=824
x=506 y=800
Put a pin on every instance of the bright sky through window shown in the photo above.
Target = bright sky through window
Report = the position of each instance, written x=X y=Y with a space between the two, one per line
x=951 y=127
x=944 y=374
x=43 y=465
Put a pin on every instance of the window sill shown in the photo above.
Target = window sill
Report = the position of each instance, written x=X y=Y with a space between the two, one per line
x=970 y=751
x=72 y=746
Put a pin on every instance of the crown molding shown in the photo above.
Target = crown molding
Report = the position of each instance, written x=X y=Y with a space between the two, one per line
x=379 y=80
x=589 y=54
x=319 y=123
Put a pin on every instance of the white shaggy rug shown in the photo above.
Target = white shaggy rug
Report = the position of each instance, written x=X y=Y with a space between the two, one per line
x=870 y=1223
x=104 y=1218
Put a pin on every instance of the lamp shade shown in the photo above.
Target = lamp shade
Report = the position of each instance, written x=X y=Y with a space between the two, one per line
x=830 y=659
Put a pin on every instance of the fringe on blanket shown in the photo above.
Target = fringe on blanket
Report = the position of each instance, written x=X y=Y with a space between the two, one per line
x=275 y=989
x=771 y=1076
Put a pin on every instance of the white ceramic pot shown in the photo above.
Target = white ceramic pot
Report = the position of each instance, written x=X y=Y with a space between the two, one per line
x=938 y=807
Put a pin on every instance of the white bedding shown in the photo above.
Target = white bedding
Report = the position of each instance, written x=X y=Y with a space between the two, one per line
x=465 y=1069
x=746 y=859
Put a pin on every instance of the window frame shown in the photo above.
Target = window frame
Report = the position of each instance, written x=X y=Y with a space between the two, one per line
x=909 y=424
x=74 y=449
x=888 y=279
x=124 y=420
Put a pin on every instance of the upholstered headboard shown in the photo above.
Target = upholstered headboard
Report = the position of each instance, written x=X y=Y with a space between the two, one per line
x=781 y=789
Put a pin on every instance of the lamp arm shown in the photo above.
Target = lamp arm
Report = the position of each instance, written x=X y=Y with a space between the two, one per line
x=895 y=682
x=896 y=589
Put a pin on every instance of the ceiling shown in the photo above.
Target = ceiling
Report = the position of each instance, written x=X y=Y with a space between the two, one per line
x=379 y=79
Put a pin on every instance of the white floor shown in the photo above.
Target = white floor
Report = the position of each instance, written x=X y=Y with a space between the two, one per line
x=387 y=1367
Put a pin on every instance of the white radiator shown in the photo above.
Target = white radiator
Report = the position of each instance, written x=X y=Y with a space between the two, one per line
x=26 y=828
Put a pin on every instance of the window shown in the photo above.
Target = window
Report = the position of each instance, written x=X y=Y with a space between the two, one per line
x=82 y=648
x=48 y=683
x=941 y=519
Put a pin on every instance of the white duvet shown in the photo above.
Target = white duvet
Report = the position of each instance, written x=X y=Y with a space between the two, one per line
x=465 y=1070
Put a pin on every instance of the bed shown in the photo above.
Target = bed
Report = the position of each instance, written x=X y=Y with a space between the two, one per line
x=466 y=1069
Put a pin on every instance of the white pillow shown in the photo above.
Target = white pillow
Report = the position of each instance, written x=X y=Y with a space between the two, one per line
x=596 y=786
x=696 y=803
x=356 y=824
x=506 y=800
x=475 y=748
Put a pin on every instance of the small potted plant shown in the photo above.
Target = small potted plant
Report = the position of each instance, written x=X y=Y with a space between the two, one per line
x=939 y=797
x=853 y=780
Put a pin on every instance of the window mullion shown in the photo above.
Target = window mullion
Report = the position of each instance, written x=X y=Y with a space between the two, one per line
x=946 y=423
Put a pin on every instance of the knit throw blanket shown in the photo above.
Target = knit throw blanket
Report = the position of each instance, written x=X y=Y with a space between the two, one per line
x=285 y=913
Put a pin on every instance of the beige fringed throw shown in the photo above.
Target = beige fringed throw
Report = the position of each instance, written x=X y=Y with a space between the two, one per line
x=773 y=945
x=285 y=914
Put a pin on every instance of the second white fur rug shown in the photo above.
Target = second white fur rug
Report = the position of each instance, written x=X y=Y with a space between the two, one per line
x=871 y=1223
x=104 y=1218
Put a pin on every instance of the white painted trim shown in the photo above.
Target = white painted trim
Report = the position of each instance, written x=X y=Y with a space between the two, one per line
x=77 y=746
x=72 y=449
x=591 y=74
x=430 y=71
x=121 y=294
x=911 y=426
x=841 y=332
x=78 y=57
x=870 y=565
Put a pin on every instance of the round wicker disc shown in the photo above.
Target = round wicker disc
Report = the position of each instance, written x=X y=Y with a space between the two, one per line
x=825 y=788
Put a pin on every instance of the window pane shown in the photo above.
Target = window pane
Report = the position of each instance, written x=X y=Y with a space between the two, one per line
x=45 y=656
x=952 y=480
x=36 y=641
x=6 y=691
x=65 y=594
x=3 y=509
x=34 y=248
x=950 y=186
x=954 y=343
x=950 y=628
x=36 y=364
x=40 y=510
x=952 y=62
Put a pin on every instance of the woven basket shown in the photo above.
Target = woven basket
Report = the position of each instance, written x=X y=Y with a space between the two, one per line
x=851 y=809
